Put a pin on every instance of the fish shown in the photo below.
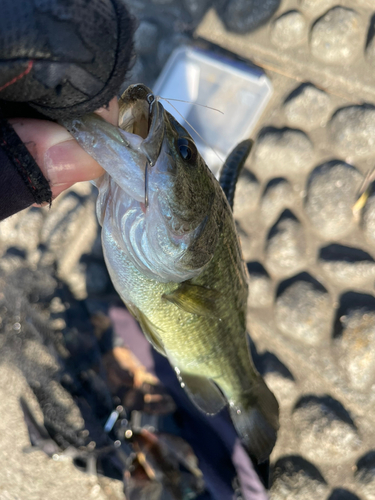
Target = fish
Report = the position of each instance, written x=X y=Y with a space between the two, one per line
x=173 y=254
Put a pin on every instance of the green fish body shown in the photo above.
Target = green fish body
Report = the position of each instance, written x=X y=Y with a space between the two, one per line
x=174 y=256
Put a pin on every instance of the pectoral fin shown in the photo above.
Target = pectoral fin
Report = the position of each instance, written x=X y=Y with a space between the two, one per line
x=195 y=299
x=149 y=329
x=202 y=391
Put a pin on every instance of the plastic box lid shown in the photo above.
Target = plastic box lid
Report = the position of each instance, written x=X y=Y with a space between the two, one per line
x=199 y=76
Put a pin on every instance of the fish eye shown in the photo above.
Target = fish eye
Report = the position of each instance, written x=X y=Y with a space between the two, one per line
x=186 y=149
x=185 y=152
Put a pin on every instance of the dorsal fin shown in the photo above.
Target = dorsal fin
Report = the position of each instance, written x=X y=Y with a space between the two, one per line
x=232 y=168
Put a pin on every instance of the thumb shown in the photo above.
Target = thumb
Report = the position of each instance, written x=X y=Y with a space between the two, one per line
x=61 y=159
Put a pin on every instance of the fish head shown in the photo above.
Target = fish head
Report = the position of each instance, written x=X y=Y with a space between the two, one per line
x=180 y=190
x=185 y=188
x=157 y=198
x=176 y=170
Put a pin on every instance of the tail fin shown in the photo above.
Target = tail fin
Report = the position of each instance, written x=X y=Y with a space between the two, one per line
x=256 y=418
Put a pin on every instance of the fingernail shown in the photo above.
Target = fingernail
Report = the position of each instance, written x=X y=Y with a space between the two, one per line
x=67 y=163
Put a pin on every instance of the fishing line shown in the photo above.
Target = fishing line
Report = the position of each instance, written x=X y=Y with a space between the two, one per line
x=191 y=126
x=189 y=102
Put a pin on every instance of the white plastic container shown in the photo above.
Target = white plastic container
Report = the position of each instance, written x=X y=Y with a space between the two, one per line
x=198 y=76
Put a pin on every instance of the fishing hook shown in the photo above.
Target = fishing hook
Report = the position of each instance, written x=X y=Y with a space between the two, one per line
x=150 y=98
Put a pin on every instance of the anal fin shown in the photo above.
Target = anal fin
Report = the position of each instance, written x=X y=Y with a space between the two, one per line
x=202 y=391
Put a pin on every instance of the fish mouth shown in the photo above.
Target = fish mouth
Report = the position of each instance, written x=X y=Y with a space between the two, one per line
x=142 y=114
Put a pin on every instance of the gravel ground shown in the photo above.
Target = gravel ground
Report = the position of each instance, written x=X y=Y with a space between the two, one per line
x=310 y=257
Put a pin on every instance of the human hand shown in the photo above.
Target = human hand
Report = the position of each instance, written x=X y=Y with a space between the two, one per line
x=59 y=156
x=71 y=67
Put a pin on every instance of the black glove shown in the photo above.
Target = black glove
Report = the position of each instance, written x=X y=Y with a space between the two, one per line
x=64 y=58
x=58 y=59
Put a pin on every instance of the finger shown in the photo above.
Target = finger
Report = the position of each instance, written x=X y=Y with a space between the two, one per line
x=61 y=159
x=59 y=156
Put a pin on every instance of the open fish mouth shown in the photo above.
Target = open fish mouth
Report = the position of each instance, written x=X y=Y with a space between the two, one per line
x=142 y=114
x=135 y=110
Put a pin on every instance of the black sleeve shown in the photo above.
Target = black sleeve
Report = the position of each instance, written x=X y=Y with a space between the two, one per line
x=21 y=181
x=14 y=193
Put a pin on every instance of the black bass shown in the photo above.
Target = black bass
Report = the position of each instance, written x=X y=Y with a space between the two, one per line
x=173 y=254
